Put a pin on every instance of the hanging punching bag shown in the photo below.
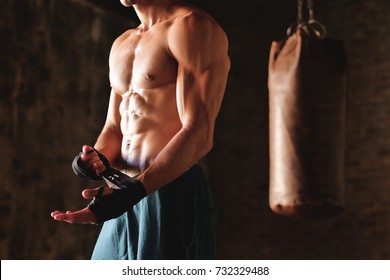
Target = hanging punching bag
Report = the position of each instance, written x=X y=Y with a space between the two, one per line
x=307 y=104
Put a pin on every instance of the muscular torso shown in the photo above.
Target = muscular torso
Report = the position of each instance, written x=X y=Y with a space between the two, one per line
x=144 y=74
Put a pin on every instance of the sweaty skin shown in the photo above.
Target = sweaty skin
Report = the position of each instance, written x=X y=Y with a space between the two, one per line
x=168 y=77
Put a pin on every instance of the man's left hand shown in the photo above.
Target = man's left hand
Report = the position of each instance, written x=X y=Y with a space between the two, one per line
x=83 y=216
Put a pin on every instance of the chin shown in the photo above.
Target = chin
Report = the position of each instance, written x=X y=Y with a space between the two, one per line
x=128 y=3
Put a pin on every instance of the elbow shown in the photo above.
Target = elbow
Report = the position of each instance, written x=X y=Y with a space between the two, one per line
x=206 y=144
x=209 y=145
x=201 y=134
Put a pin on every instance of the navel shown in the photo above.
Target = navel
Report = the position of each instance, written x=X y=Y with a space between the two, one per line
x=149 y=77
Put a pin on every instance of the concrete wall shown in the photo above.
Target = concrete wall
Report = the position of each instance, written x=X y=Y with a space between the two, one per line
x=53 y=78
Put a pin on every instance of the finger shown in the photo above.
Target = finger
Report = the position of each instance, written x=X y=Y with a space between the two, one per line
x=84 y=216
x=90 y=157
x=92 y=163
x=87 y=149
x=56 y=213
x=100 y=169
x=98 y=166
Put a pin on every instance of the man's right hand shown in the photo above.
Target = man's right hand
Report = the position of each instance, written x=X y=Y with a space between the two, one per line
x=88 y=164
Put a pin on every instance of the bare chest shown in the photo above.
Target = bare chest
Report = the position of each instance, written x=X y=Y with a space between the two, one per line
x=142 y=60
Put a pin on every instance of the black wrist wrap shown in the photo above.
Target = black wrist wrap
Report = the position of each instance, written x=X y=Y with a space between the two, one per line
x=121 y=200
x=78 y=170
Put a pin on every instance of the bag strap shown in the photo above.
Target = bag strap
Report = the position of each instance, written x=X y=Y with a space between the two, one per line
x=311 y=27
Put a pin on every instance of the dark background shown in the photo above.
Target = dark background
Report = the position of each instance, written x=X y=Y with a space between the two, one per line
x=54 y=95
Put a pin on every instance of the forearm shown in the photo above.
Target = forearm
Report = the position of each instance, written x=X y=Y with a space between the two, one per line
x=187 y=147
x=109 y=144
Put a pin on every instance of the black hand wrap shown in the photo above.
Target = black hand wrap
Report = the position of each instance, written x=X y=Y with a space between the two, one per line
x=78 y=170
x=110 y=206
x=121 y=200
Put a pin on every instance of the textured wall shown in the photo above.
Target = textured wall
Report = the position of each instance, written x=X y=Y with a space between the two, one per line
x=54 y=92
x=53 y=78
x=247 y=228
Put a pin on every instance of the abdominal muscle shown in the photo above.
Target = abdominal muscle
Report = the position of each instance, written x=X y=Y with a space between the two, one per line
x=149 y=120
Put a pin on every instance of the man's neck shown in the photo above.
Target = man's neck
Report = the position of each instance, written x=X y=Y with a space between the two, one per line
x=151 y=12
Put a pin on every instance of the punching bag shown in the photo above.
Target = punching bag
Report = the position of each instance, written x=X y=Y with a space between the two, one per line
x=307 y=108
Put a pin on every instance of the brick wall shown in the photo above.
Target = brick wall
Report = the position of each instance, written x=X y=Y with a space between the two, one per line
x=53 y=77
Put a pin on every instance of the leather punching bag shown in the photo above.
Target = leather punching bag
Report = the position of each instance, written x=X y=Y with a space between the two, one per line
x=307 y=107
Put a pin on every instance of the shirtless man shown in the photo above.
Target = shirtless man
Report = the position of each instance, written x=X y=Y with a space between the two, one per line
x=168 y=78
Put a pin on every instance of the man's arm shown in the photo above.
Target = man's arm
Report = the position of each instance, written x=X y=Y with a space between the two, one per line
x=109 y=143
x=110 y=139
x=200 y=47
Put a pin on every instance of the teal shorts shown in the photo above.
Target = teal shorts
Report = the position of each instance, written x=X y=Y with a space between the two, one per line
x=176 y=222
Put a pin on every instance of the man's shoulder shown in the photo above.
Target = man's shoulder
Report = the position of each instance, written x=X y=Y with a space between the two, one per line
x=196 y=24
x=196 y=35
x=194 y=17
x=122 y=37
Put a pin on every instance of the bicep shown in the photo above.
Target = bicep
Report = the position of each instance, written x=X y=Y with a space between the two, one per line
x=200 y=93
x=200 y=47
